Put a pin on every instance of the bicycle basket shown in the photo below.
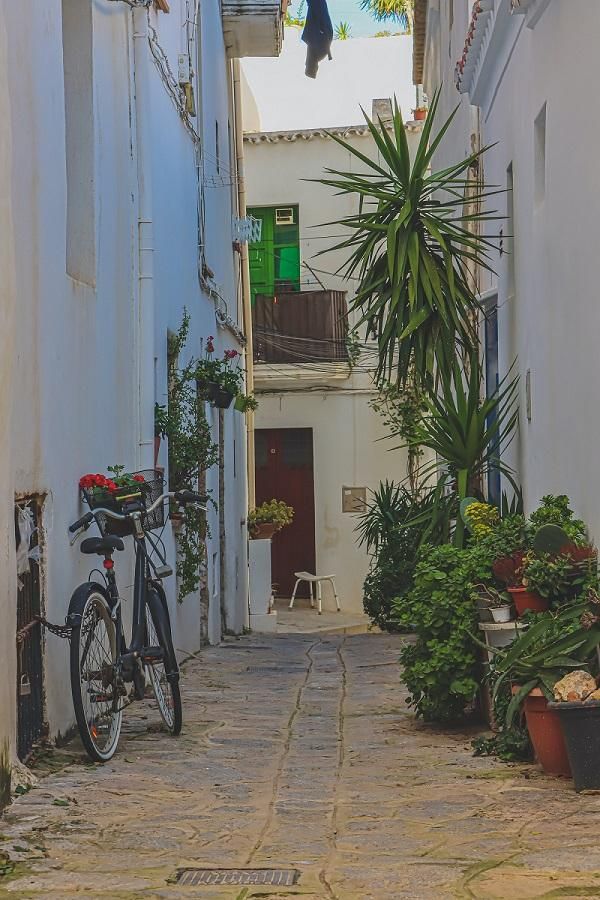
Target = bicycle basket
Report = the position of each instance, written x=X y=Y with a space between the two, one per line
x=147 y=491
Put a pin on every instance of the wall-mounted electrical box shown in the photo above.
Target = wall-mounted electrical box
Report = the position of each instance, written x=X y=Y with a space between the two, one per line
x=354 y=499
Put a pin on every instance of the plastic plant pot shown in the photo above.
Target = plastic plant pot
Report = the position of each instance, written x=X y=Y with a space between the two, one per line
x=525 y=600
x=580 y=724
x=544 y=727
x=222 y=398
x=501 y=613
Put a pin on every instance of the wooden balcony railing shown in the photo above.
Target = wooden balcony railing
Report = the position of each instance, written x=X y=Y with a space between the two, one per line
x=300 y=327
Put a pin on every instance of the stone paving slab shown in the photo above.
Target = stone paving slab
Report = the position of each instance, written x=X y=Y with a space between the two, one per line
x=316 y=765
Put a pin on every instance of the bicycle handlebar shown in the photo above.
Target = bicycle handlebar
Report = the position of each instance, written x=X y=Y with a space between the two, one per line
x=179 y=496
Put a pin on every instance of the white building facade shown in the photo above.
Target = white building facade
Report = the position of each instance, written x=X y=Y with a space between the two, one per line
x=118 y=190
x=516 y=69
x=319 y=443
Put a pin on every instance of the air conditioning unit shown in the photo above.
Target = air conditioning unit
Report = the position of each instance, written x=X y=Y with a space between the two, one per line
x=284 y=216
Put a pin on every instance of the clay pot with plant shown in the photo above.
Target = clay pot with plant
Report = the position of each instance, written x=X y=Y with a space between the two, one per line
x=552 y=646
x=269 y=518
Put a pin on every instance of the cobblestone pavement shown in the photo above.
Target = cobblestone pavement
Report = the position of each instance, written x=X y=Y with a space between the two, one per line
x=299 y=752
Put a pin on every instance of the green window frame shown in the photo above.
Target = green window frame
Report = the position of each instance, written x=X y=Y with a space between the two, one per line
x=275 y=259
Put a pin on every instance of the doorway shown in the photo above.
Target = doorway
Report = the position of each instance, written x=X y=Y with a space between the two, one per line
x=285 y=471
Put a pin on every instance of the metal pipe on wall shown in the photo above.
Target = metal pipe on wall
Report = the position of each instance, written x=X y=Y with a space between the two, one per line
x=245 y=267
x=145 y=305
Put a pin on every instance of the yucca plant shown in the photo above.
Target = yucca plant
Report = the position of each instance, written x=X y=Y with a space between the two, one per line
x=343 y=31
x=465 y=431
x=400 y=11
x=411 y=246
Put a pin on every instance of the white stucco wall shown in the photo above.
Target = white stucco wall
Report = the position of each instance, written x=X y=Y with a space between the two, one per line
x=549 y=323
x=76 y=384
x=349 y=441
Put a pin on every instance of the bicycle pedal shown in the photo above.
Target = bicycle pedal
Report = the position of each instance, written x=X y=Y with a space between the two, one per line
x=163 y=571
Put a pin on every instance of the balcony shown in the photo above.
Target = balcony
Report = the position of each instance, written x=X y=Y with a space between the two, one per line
x=301 y=328
x=253 y=27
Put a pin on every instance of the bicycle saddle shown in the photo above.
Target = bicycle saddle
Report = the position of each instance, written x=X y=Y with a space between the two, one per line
x=102 y=545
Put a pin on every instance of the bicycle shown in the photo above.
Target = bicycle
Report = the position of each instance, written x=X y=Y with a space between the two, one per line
x=101 y=661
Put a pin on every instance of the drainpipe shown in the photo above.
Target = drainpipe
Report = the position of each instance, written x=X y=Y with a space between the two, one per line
x=244 y=261
x=145 y=307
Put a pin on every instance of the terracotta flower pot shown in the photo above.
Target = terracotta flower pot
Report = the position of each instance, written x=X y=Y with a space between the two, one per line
x=527 y=600
x=543 y=725
x=419 y=115
x=263 y=531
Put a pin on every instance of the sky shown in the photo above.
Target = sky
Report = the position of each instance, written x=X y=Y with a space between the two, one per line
x=362 y=70
x=362 y=23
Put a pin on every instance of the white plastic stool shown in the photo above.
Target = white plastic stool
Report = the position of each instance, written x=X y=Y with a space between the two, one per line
x=316 y=580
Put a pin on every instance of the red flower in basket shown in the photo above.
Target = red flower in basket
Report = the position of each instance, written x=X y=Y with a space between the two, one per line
x=139 y=478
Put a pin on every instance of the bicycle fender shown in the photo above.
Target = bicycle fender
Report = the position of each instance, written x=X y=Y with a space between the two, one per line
x=79 y=598
x=160 y=614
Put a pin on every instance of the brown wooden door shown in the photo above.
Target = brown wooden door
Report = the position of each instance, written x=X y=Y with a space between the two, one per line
x=284 y=471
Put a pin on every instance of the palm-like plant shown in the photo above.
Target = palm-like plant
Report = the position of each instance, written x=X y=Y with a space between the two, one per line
x=342 y=31
x=467 y=433
x=401 y=11
x=411 y=246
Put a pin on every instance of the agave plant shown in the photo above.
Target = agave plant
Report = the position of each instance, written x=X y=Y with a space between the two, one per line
x=464 y=431
x=411 y=244
x=343 y=31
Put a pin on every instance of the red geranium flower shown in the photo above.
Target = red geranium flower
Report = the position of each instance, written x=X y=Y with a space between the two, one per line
x=139 y=478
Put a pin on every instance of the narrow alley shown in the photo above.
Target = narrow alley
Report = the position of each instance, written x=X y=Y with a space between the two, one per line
x=299 y=753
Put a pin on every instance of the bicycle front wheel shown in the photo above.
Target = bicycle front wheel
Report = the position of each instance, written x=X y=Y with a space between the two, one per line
x=94 y=684
x=166 y=691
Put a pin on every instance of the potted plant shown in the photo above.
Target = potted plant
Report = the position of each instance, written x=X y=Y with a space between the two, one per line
x=268 y=518
x=577 y=704
x=420 y=113
x=244 y=402
x=493 y=605
x=219 y=380
x=509 y=571
x=553 y=644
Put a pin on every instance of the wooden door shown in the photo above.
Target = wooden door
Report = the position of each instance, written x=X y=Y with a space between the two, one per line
x=284 y=471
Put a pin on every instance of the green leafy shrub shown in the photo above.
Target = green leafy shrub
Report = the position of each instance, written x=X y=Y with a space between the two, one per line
x=555 y=510
x=391 y=577
x=393 y=528
x=440 y=669
x=510 y=744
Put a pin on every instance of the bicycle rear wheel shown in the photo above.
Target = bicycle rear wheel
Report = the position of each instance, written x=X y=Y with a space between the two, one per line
x=166 y=691
x=96 y=697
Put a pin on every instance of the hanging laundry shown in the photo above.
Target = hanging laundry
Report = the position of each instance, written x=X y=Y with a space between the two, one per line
x=317 y=35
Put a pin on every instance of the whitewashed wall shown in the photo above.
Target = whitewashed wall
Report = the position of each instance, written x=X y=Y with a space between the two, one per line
x=350 y=448
x=549 y=319
x=77 y=345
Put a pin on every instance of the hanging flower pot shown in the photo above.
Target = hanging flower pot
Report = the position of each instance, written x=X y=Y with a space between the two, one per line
x=208 y=390
x=544 y=727
x=525 y=600
x=580 y=723
x=222 y=398
x=263 y=531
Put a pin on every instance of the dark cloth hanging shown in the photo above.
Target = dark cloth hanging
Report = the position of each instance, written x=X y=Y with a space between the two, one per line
x=317 y=35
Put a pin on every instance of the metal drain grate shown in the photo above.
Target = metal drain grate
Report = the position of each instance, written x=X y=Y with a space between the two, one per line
x=260 y=670
x=280 y=877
